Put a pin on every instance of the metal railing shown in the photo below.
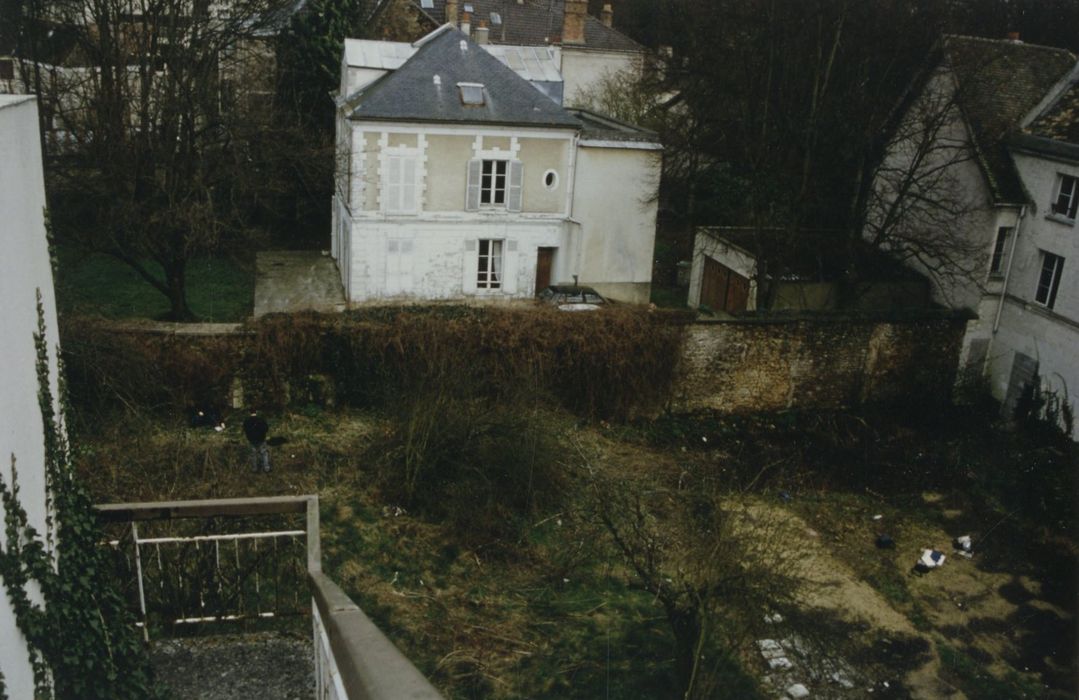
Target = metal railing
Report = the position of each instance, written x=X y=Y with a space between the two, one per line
x=353 y=658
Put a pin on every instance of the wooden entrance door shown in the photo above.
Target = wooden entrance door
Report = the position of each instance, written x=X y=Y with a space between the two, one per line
x=544 y=261
x=723 y=289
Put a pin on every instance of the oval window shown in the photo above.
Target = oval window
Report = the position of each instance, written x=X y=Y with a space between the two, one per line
x=550 y=179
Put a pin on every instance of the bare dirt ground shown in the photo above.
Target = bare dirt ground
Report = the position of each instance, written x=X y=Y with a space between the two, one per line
x=269 y=666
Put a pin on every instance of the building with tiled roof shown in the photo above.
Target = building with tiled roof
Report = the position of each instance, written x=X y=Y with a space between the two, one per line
x=588 y=48
x=1017 y=175
x=459 y=179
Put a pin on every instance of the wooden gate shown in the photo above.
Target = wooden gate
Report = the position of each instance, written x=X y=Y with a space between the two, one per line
x=723 y=289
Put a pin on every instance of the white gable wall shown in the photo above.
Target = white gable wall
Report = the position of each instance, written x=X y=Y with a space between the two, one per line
x=24 y=270
x=584 y=69
x=614 y=201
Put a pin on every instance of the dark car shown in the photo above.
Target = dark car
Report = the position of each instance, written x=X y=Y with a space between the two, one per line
x=568 y=297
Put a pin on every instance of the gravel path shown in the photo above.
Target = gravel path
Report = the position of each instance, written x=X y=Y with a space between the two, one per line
x=264 y=665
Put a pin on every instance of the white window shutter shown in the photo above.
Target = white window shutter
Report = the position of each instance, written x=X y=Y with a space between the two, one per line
x=471 y=264
x=472 y=197
x=513 y=200
x=391 y=182
x=509 y=267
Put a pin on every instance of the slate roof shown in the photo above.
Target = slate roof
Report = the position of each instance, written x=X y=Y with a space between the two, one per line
x=410 y=93
x=999 y=82
x=535 y=23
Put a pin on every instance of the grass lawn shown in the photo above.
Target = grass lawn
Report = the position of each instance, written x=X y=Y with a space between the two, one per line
x=218 y=289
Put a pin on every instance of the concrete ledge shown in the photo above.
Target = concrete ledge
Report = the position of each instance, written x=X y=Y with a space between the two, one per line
x=371 y=667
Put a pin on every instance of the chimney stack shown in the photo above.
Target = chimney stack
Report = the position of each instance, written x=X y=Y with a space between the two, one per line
x=606 y=15
x=482 y=32
x=573 y=19
x=451 y=12
x=466 y=24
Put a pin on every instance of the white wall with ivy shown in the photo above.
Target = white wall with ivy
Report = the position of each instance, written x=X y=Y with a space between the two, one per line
x=24 y=270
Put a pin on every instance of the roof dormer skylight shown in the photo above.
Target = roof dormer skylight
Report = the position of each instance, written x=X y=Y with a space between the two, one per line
x=496 y=19
x=471 y=93
x=427 y=4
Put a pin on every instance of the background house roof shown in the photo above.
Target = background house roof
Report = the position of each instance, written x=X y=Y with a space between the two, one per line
x=533 y=23
x=1060 y=122
x=999 y=82
x=410 y=93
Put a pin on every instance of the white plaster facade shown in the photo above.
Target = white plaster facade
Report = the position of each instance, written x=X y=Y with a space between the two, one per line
x=25 y=270
x=1027 y=305
x=585 y=70
x=414 y=234
x=1013 y=317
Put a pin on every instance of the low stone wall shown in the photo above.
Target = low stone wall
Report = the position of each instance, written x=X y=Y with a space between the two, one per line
x=745 y=365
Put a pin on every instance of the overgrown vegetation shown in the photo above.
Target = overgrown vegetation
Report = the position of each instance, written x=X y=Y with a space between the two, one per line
x=614 y=364
x=82 y=639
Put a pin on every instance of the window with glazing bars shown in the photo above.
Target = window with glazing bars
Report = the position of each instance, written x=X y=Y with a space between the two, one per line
x=1067 y=199
x=493 y=182
x=1049 y=279
x=489 y=270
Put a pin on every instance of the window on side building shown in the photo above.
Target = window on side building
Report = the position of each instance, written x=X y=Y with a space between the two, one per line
x=1067 y=196
x=489 y=270
x=1000 y=251
x=1049 y=279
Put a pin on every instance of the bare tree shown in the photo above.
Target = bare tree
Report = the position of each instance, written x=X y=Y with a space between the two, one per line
x=153 y=108
x=716 y=563
x=919 y=196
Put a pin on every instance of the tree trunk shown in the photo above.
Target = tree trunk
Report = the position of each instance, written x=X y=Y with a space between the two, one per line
x=686 y=626
x=176 y=281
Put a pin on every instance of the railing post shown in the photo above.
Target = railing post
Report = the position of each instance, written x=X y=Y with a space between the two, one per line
x=314 y=548
x=142 y=592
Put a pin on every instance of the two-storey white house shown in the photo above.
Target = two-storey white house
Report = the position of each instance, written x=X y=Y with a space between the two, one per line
x=1018 y=186
x=458 y=178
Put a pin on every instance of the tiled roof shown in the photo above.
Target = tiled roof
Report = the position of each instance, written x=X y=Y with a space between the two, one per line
x=1060 y=122
x=1000 y=81
x=535 y=23
x=410 y=93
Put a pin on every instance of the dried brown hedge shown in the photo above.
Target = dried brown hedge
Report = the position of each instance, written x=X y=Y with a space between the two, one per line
x=610 y=364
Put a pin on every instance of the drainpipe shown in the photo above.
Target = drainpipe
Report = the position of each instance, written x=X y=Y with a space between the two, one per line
x=1008 y=270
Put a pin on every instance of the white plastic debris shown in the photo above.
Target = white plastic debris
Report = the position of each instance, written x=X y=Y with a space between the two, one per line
x=878 y=516
x=797 y=691
x=932 y=558
x=773 y=619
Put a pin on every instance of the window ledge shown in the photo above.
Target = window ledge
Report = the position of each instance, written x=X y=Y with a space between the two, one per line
x=1060 y=219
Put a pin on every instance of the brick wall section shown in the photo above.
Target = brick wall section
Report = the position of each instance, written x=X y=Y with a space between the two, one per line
x=824 y=362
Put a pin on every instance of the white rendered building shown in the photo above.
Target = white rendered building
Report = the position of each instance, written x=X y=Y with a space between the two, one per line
x=458 y=178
